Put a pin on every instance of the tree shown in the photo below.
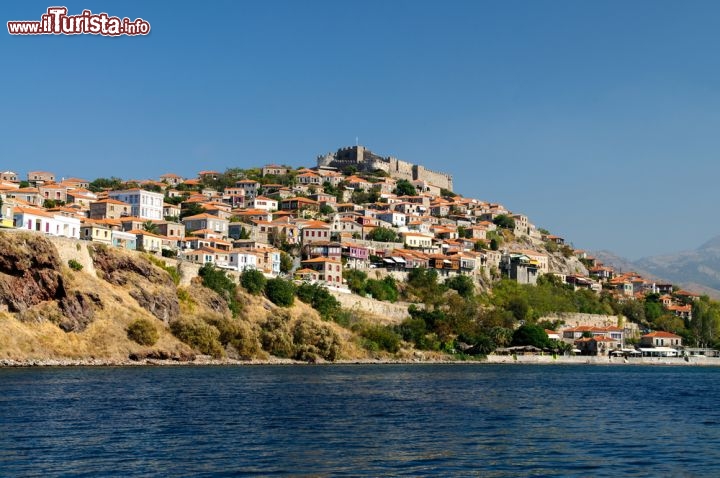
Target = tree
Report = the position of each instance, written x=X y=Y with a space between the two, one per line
x=404 y=188
x=359 y=197
x=494 y=244
x=280 y=292
x=152 y=188
x=253 y=281
x=191 y=209
x=705 y=324
x=519 y=307
x=326 y=210
x=174 y=200
x=52 y=203
x=462 y=284
x=502 y=336
x=383 y=234
x=244 y=233
x=151 y=227
x=653 y=310
x=320 y=299
x=328 y=188
x=101 y=184
x=385 y=289
x=286 y=262
x=504 y=221
x=423 y=283
x=634 y=311
x=217 y=280
x=530 y=334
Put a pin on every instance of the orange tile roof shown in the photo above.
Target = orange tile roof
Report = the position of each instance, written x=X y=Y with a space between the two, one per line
x=662 y=334
x=30 y=210
x=204 y=215
x=319 y=260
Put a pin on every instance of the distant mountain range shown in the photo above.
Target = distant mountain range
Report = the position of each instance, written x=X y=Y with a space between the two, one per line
x=697 y=270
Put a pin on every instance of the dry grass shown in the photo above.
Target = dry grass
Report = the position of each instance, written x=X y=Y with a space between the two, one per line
x=38 y=338
x=104 y=338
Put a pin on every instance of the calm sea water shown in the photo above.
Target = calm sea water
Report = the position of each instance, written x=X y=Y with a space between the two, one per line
x=380 y=420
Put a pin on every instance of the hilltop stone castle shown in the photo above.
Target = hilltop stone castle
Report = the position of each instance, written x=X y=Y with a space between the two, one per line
x=365 y=160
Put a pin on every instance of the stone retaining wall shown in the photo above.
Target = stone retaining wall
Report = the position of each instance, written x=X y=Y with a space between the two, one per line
x=393 y=313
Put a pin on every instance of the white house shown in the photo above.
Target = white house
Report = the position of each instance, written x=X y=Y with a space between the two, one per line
x=143 y=204
x=242 y=260
x=40 y=220
x=264 y=203
x=397 y=219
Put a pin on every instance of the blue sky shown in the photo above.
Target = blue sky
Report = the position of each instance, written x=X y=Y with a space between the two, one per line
x=599 y=120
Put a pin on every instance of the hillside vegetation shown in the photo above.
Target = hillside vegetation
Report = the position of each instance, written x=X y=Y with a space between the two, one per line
x=135 y=310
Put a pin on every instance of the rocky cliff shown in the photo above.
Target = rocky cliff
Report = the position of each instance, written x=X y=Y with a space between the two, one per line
x=52 y=312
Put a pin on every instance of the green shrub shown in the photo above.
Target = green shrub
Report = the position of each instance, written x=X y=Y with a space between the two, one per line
x=320 y=299
x=313 y=341
x=463 y=285
x=530 y=334
x=355 y=280
x=253 y=281
x=275 y=334
x=198 y=335
x=143 y=332
x=75 y=265
x=184 y=296
x=280 y=292
x=217 y=280
x=174 y=272
x=382 y=338
x=236 y=334
x=169 y=253
x=385 y=289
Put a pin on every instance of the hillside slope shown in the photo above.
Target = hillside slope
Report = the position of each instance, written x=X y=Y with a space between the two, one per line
x=49 y=311
x=697 y=270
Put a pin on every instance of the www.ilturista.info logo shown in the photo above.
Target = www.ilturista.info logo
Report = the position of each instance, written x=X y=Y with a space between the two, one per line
x=57 y=22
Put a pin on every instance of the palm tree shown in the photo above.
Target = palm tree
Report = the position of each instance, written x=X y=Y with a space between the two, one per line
x=150 y=227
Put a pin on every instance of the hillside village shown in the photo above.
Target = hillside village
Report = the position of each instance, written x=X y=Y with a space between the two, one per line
x=352 y=211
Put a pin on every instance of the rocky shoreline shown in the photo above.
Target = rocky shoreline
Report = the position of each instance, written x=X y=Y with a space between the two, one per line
x=490 y=360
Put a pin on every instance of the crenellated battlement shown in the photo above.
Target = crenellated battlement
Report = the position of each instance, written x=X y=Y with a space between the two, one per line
x=365 y=160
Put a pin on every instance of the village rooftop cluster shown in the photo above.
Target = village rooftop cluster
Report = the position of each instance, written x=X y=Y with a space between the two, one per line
x=353 y=210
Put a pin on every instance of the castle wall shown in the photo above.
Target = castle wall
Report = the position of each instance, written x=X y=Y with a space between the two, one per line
x=438 y=179
x=401 y=169
x=365 y=160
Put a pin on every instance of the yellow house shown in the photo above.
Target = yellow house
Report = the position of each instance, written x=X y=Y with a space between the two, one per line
x=91 y=231
x=414 y=240
x=147 y=241
x=6 y=213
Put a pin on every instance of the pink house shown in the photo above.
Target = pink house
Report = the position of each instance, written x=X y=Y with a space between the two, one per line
x=329 y=270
